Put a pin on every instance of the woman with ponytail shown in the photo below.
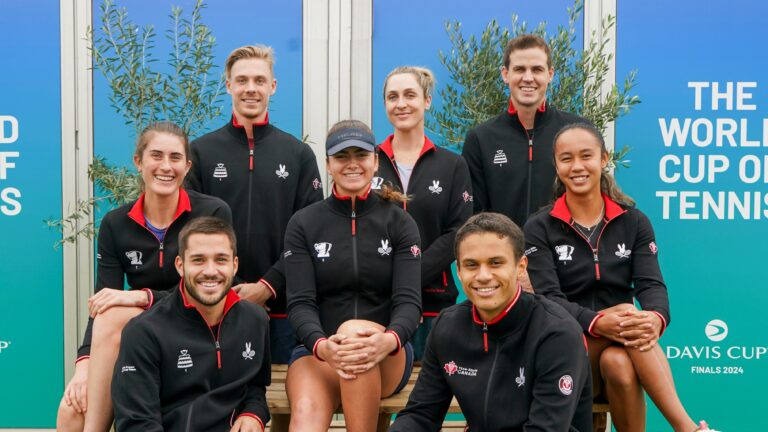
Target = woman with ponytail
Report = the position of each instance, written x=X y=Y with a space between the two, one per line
x=137 y=244
x=352 y=266
x=594 y=253
x=436 y=181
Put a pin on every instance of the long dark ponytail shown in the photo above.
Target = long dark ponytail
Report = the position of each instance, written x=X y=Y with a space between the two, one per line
x=608 y=183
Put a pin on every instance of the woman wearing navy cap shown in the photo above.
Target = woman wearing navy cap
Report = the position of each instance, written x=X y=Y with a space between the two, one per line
x=352 y=266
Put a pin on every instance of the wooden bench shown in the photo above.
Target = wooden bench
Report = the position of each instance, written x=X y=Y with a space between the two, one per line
x=280 y=409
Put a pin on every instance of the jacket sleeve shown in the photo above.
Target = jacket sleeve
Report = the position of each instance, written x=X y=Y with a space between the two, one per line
x=543 y=273
x=303 y=311
x=406 y=282
x=136 y=382
x=109 y=274
x=309 y=190
x=255 y=402
x=193 y=180
x=439 y=255
x=471 y=153
x=562 y=375
x=650 y=289
x=431 y=396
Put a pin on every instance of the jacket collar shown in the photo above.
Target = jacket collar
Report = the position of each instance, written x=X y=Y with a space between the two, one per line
x=511 y=317
x=386 y=147
x=560 y=209
x=343 y=203
x=260 y=130
x=137 y=210
x=541 y=114
x=230 y=300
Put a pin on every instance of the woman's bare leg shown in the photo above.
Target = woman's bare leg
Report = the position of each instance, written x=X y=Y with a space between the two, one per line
x=623 y=391
x=313 y=392
x=655 y=375
x=105 y=346
x=67 y=419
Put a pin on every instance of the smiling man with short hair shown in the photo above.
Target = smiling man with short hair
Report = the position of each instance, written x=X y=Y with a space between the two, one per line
x=515 y=361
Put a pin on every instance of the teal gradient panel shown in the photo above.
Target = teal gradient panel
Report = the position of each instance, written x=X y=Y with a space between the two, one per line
x=31 y=321
x=713 y=266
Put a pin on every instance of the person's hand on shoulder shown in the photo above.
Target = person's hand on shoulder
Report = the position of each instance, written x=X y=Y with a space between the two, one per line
x=109 y=297
x=257 y=293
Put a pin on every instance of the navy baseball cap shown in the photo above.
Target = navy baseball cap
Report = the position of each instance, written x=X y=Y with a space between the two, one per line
x=349 y=137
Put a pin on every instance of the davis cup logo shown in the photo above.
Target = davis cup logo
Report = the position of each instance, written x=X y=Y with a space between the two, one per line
x=716 y=330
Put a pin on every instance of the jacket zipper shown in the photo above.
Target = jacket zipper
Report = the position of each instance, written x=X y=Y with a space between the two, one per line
x=595 y=250
x=217 y=337
x=250 y=188
x=354 y=258
x=490 y=380
x=530 y=172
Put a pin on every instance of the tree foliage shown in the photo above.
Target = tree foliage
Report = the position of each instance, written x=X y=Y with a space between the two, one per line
x=476 y=91
x=186 y=90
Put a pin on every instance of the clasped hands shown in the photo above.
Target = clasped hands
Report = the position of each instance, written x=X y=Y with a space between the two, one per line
x=630 y=327
x=352 y=355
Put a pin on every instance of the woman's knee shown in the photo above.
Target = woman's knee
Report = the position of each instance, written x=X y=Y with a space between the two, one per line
x=350 y=328
x=67 y=418
x=108 y=325
x=621 y=307
x=617 y=369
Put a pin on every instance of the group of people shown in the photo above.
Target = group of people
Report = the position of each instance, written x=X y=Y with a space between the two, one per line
x=232 y=260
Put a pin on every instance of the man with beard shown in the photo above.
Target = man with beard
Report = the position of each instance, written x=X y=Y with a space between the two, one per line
x=198 y=360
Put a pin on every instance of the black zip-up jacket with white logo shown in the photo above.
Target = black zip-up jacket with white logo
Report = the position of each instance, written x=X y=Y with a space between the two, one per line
x=440 y=201
x=174 y=373
x=624 y=266
x=347 y=263
x=264 y=185
x=513 y=171
x=127 y=249
x=526 y=370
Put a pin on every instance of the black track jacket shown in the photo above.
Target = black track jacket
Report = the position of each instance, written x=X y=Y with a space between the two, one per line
x=513 y=171
x=264 y=186
x=440 y=201
x=174 y=374
x=344 y=263
x=563 y=266
x=128 y=249
x=526 y=370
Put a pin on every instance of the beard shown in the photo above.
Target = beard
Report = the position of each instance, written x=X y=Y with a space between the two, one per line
x=206 y=300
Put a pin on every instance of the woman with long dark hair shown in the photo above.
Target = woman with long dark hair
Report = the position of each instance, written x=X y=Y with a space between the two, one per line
x=137 y=244
x=594 y=253
x=352 y=265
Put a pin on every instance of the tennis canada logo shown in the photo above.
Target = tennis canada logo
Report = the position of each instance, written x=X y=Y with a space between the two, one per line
x=467 y=197
x=317 y=184
x=415 y=250
x=452 y=368
x=715 y=357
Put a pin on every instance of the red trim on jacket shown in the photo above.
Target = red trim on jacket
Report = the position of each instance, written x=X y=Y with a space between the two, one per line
x=592 y=325
x=386 y=147
x=151 y=298
x=229 y=301
x=261 y=423
x=397 y=338
x=81 y=358
x=560 y=209
x=512 y=110
x=238 y=125
x=364 y=196
x=314 y=349
x=137 y=211
x=274 y=293
x=476 y=317
x=663 y=323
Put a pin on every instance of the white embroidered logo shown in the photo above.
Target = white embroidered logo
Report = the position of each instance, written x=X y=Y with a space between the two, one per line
x=128 y=369
x=220 y=171
x=564 y=252
x=135 y=257
x=499 y=158
x=376 y=183
x=530 y=250
x=185 y=360
x=316 y=183
x=323 y=249
x=385 y=249
x=281 y=172
x=623 y=252
x=435 y=188
x=521 y=379
x=248 y=353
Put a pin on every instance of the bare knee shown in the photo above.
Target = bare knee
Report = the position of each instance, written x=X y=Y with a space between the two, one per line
x=67 y=419
x=617 y=369
x=350 y=328
x=108 y=325
x=621 y=307
x=308 y=413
